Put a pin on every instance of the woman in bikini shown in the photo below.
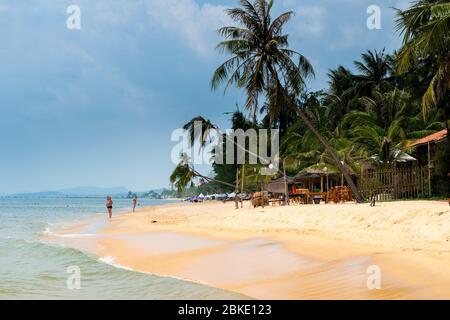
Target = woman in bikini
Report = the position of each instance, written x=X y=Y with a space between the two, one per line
x=109 y=206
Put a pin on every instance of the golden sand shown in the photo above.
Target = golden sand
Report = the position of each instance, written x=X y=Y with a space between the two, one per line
x=295 y=252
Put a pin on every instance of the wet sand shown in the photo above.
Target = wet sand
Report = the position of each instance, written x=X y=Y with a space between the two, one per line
x=299 y=252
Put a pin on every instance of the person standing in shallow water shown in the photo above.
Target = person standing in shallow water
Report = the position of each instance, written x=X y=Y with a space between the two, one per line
x=109 y=206
x=134 y=202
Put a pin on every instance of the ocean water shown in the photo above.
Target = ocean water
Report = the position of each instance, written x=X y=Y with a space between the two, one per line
x=33 y=269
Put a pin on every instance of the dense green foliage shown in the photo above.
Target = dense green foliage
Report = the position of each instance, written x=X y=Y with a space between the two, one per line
x=366 y=116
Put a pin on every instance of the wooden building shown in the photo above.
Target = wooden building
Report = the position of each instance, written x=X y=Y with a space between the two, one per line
x=430 y=153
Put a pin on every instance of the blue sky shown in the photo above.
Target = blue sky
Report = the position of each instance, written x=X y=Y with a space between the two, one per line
x=97 y=106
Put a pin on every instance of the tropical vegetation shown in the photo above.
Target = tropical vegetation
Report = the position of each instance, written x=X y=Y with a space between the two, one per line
x=368 y=115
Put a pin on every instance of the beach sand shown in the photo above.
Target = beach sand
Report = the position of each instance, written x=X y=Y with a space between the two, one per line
x=296 y=252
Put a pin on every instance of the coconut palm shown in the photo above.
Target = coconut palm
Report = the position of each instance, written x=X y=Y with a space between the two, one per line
x=426 y=32
x=198 y=128
x=261 y=62
x=181 y=177
x=384 y=108
x=184 y=175
x=341 y=80
x=382 y=130
x=382 y=145
x=258 y=49
x=200 y=134
x=374 y=70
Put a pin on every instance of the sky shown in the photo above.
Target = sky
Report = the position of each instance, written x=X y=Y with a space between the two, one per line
x=97 y=106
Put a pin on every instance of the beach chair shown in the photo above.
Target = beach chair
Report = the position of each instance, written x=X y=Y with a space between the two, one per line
x=260 y=199
x=303 y=195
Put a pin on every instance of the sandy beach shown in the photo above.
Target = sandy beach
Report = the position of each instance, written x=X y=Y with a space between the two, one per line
x=295 y=252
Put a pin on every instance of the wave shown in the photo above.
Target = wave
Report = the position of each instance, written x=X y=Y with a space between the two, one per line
x=109 y=260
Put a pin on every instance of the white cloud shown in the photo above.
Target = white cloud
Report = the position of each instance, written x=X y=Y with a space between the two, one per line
x=196 y=23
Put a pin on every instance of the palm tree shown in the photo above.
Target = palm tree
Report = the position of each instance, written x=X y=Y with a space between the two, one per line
x=184 y=175
x=386 y=108
x=261 y=62
x=341 y=81
x=205 y=126
x=386 y=125
x=382 y=145
x=374 y=70
x=198 y=127
x=258 y=48
x=426 y=32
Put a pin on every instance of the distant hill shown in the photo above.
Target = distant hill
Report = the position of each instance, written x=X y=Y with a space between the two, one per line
x=74 y=192
x=94 y=191
x=49 y=194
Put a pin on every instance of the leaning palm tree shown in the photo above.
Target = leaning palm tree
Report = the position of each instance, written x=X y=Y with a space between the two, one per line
x=185 y=174
x=261 y=62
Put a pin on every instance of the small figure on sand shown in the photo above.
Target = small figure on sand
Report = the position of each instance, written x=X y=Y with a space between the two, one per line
x=373 y=199
x=109 y=206
x=134 y=202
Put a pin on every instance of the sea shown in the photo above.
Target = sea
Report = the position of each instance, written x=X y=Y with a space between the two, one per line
x=31 y=268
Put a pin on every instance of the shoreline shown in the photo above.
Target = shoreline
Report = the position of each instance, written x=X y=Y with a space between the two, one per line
x=264 y=254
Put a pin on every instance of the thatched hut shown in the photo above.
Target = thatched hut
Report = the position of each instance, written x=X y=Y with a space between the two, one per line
x=321 y=177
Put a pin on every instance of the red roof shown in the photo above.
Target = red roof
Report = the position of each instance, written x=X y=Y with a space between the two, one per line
x=436 y=137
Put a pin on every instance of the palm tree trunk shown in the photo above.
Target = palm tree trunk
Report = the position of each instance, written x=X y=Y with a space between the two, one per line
x=198 y=174
x=333 y=155
x=328 y=148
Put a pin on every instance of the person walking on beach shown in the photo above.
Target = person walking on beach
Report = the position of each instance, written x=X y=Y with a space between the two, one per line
x=134 y=202
x=109 y=206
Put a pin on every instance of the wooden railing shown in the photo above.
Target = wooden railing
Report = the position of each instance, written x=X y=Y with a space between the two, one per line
x=392 y=183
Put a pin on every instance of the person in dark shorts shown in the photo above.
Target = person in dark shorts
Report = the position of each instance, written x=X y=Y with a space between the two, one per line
x=109 y=206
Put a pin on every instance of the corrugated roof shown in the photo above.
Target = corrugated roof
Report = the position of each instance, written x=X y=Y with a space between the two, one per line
x=436 y=137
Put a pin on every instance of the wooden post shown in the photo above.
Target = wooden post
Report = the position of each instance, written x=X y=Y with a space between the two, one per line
x=286 y=191
x=429 y=170
x=236 y=201
x=242 y=179
x=262 y=190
